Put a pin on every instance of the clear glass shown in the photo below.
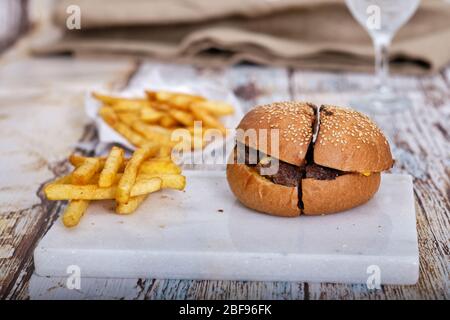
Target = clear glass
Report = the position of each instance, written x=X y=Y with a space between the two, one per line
x=382 y=19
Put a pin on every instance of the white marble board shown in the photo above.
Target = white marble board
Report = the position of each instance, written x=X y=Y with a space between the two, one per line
x=204 y=233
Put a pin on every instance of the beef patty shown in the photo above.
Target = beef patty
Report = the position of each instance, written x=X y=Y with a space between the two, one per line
x=287 y=174
x=314 y=171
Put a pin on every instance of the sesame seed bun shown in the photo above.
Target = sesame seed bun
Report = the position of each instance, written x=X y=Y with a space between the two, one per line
x=295 y=123
x=350 y=141
x=343 y=193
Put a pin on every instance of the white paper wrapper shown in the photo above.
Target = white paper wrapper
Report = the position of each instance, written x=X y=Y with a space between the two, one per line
x=150 y=79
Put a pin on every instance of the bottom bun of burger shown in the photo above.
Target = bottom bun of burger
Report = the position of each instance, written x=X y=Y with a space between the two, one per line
x=345 y=192
x=261 y=194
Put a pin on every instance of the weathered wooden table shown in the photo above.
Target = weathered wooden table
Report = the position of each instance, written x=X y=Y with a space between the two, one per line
x=42 y=121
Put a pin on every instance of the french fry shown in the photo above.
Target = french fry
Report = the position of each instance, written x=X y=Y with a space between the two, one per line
x=96 y=177
x=151 y=133
x=173 y=181
x=182 y=117
x=156 y=161
x=130 y=105
x=150 y=115
x=159 y=129
x=132 y=136
x=162 y=158
x=108 y=115
x=208 y=119
x=74 y=212
x=167 y=121
x=156 y=167
x=129 y=175
x=169 y=181
x=146 y=186
x=147 y=129
x=158 y=95
x=131 y=205
x=67 y=179
x=161 y=95
x=215 y=108
x=110 y=100
x=168 y=96
x=165 y=151
x=182 y=101
x=111 y=167
x=128 y=117
x=83 y=173
x=161 y=106
x=77 y=192
x=77 y=160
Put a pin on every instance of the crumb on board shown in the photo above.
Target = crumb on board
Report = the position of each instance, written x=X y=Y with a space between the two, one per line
x=220 y=210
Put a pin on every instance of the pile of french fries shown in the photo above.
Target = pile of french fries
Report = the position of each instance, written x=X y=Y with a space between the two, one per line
x=127 y=181
x=158 y=116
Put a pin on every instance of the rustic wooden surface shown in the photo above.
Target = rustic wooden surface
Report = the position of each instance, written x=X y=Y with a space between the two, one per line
x=42 y=121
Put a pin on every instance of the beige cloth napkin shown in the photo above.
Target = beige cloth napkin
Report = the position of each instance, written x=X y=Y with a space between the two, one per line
x=318 y=34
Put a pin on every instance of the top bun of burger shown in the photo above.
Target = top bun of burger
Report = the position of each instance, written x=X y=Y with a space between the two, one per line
x=339 y=171
x=350 y=141
x=294 y=120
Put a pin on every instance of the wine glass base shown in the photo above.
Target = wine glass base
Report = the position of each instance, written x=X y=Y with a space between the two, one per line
x=381 y=103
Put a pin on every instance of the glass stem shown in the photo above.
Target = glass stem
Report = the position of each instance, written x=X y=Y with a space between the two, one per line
x=381 y=45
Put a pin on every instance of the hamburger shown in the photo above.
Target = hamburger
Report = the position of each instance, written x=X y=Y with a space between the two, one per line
x=337 y=171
